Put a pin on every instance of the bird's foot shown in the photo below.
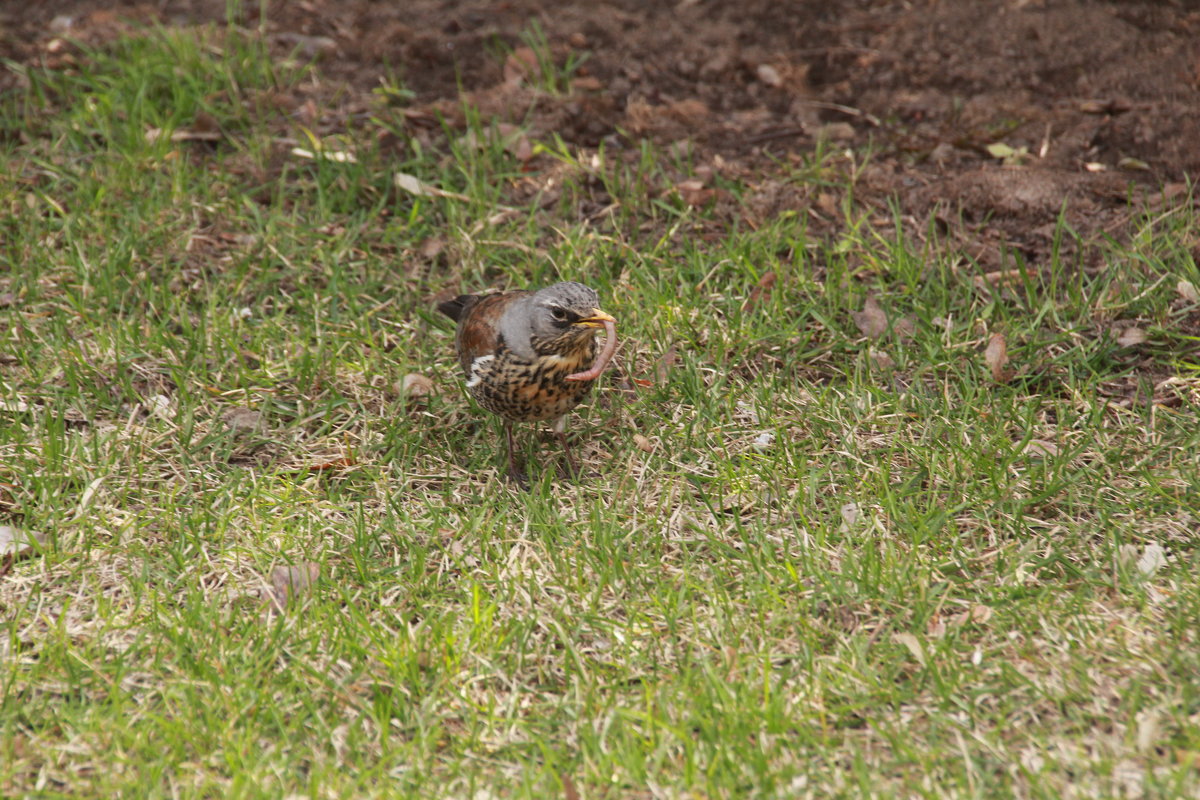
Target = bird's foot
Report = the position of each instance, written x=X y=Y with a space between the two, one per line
x=518 y=479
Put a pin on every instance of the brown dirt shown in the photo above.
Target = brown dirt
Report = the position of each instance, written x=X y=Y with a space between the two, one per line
x=1104 y=96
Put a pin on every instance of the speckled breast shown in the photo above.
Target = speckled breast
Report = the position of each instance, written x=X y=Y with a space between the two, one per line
x=529 y=391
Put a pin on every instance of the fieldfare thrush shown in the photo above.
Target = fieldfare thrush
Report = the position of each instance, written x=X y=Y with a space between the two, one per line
x=531 y=356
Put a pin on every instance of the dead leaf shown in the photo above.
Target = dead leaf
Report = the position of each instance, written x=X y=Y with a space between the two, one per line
x=415 y=385
x=325 y=466
x=520 y=64
x=913 y=646
x=432 y=247
x=851 y=514
x=337 y=463
x=980 y=614
x=662 y=368
x=1130 y=337
x=642 y=443
x=763 y=441
x=414 y=185
x=693 y=193
x=15 y=541
x=882 y=360
x=1131 y=163
x=309 y=46
x=1153 y=558
x=835 y=132
x=761 y=291
x=769 y=75
x=291 y=583
x=569 y=790
x=871 y=321
x=1040 y=448
x=996 y=357
x=242 y=420
x=998 y=277
x=520 y=148
x=587 y=83
x=1187 y=290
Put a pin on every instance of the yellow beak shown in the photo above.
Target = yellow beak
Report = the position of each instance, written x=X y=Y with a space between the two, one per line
x=595 y=319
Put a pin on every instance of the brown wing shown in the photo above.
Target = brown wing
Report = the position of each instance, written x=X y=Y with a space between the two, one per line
x=479 y=325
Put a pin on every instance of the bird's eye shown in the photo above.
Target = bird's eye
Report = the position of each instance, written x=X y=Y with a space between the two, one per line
x=559 y=314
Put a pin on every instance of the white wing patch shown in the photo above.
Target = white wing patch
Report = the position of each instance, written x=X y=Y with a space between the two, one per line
x=478 y=367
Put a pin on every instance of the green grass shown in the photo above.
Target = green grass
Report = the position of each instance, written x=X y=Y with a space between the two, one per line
x=890 y=595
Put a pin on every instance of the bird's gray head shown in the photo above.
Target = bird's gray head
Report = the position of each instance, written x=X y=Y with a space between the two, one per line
x=563 y=311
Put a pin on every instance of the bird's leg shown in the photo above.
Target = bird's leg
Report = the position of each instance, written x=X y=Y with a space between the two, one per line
x=560 y=430
x=514 y=472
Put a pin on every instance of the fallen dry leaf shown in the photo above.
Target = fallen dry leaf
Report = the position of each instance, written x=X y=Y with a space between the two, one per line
x=432 y=247
x=913 y=645
x=871 y=321
x=587 y=83
x=414 y=185
x=998 y=277
x=761 y=291
x=309 y=46
x=851 y=514
x=242 y=420
x=1187 y=290
x=835 y=132
x=15 y=541
x=763 y=441
x=290 y=583
x=1131 y=337
x=520 y=64
x=325 y=466
x=769 y=75
x=996 y=357
x=569 y=790
x=662 y=368
x=978 y=614
x=642 y=443
x=693 y=193
x=1153 y=558
x=415 y=385
x=1040 y=448
x=882 y=360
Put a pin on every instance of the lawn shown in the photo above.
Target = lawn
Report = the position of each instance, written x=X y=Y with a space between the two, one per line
x=860 y=519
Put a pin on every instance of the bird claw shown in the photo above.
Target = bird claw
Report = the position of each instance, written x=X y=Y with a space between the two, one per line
x=518 y=479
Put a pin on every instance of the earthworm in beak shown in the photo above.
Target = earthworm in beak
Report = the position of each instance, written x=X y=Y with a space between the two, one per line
x=610 y=347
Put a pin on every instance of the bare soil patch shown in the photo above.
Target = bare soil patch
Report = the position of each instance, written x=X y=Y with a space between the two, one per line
x=1098 y=101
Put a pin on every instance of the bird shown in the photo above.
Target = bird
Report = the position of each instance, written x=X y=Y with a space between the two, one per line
x=530 y=356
